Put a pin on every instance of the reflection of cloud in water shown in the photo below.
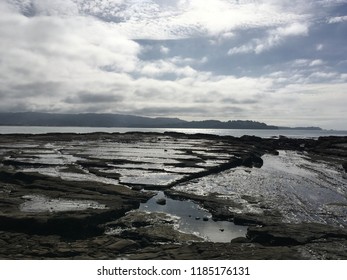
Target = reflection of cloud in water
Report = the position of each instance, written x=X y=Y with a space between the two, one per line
x=191 y=219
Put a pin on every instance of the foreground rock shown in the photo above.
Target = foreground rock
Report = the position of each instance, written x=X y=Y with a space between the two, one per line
x=28 y=246
x=37 y=204
x=295 y=234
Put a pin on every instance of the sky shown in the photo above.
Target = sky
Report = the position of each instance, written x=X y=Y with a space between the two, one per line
x=282 y=62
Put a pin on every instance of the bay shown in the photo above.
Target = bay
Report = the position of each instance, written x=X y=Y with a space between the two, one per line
x=264 y=133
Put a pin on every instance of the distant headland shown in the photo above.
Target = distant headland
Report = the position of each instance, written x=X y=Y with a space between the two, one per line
x=118 y=120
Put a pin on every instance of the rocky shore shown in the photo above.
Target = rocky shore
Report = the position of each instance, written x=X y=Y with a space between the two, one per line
x=86 y=196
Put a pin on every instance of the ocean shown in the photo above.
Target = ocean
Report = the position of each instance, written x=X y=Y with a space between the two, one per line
x=264 y=133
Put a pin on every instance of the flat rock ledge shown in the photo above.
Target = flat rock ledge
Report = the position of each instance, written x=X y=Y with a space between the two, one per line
x=111 y=227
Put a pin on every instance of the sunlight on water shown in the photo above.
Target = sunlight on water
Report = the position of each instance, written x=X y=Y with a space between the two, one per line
x=40 y=203
x=265 y=133
x=194 y=219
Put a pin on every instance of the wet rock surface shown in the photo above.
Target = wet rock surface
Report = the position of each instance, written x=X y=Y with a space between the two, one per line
x=77 y=196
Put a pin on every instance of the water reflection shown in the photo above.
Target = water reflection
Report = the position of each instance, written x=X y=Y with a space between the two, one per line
x=194 y=219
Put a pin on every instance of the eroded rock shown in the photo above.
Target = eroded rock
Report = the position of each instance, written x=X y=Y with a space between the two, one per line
x=294 y=234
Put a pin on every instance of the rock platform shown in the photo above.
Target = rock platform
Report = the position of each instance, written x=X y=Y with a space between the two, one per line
x=76 y=196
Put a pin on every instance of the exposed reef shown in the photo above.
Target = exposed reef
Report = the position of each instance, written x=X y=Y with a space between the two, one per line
x=84 y=196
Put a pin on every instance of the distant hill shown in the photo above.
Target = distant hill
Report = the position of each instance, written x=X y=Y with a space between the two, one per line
x=117 y=120
x=225 y=125
x=86 y=120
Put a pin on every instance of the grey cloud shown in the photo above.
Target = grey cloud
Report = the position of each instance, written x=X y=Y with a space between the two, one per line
x=18 y=106
x=167 y=110
x=148 y=92
x=88 y=97
x=34 y=89
x=204 y=100
x=214 y=97
x=32 y=8
x=105 y=10
x=239 y=101
x=90 y=108
x=25 y=7
x=192 y=111
x=232 y=110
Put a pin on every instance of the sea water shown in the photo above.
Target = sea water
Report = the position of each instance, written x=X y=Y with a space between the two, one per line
x=264 y=133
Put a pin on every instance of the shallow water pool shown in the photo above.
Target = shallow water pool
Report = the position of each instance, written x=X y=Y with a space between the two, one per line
x=194 y=219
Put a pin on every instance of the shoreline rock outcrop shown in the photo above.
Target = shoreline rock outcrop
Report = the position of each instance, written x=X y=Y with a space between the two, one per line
x=80 y=210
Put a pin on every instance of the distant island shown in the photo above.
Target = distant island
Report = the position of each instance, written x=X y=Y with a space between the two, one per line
x=118 y=120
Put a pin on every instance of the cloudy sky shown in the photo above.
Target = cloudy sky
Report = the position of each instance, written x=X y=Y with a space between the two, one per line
x=283 y=62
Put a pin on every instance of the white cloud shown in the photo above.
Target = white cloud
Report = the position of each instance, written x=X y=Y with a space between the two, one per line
x=316 y=62
x=307 y=63
x=280 y=34
x=301 y=62
x=161 y=68
x=71 y=53
x=222 y=38
x=337 y=19
x=186 y=61
x=242 y=49
x=274 y=38
x=85 y=40
x=293 y=29
x=164 y=50
x=319 y=47
x=227 y=35
x=159 y=19
x=324 y=75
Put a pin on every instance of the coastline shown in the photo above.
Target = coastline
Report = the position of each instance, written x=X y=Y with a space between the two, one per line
x=61 y=192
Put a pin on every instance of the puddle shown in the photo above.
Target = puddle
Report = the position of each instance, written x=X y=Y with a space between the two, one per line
x=142 y=177
x=191 y=219
x=39 y=204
